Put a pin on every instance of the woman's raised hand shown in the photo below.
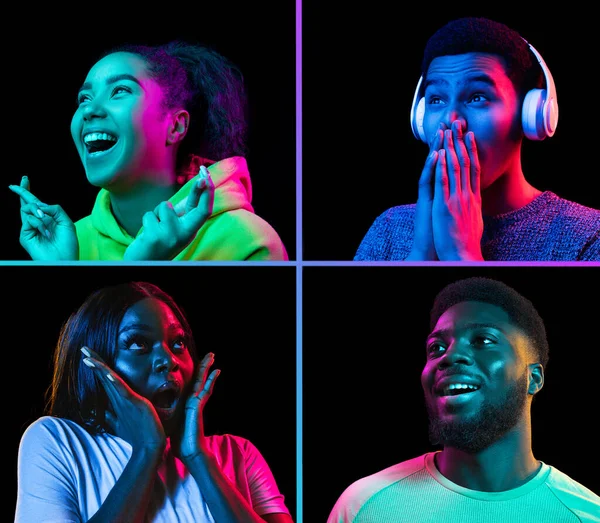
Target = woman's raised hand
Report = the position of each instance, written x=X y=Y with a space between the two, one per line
x=47 y=233
x=131 y=417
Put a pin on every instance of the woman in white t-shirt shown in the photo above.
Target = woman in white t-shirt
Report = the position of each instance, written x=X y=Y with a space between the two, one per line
x=123 y=437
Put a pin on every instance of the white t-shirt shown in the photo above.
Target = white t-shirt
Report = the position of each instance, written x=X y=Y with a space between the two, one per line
x=414 y=491
x=64 y=474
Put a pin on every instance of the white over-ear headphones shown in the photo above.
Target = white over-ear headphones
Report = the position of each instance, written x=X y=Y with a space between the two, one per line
x=539 y=114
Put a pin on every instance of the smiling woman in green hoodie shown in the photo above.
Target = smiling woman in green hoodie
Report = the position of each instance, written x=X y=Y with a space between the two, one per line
x=161 y=132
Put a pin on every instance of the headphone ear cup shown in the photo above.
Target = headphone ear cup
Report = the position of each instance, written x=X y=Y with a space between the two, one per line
x=540 y=107
x=533 y=114
x=418 y=123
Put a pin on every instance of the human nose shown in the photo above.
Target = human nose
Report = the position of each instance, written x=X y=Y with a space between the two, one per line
x=453 y=113
x=93 y=109
x=457 y=352
x=165 y=360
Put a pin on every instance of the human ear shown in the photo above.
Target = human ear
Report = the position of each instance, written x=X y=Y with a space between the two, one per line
x=536 y=378
x=178 y=126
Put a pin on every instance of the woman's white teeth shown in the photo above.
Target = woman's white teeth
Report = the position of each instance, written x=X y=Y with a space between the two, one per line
x=94 y=137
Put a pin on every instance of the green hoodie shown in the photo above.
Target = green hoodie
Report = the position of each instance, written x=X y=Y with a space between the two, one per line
x=232 y=233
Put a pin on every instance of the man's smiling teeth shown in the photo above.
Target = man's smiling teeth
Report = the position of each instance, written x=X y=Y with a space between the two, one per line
x=455 y=388
x=94 y=137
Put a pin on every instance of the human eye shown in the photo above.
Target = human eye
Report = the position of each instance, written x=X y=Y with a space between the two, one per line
x=120 y=89
x=434 y=94
x=478 y=98
x=136 y=343
x=180 y=343
x=82 y=98
x=483 y=339
x=435 y=348
x=434 y=99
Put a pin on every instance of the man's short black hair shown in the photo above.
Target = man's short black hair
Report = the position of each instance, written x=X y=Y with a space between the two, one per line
x=481 y=35
x=520 y=310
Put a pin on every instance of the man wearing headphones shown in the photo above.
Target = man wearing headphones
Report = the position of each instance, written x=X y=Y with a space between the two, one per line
x=483 y=90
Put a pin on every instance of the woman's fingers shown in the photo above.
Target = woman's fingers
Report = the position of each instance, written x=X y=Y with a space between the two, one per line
x=25 y=195
x=207 y=195
x=210 y=383
x=205 y=383
x=202 y=184
x=114 y=385
x=166 y=214
x=195 y=217
x=36 y=224
x=194 y=197
x=203 y=368
x=25 y=184
x=30 y=207
x=35 y=219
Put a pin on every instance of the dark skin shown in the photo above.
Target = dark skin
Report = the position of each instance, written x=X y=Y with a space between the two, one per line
x=152 y=349
x=472 y=123
x=476 y=343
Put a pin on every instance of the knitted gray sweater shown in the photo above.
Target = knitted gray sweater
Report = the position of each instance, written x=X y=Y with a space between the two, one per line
x=549 y=228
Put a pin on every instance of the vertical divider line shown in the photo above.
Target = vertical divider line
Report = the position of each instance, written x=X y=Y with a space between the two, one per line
x=299 y=244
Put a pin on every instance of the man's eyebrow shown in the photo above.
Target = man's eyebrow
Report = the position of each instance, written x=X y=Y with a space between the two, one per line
x=111 y=80
x=441 y=333
x=435 y=81
x=469 y=78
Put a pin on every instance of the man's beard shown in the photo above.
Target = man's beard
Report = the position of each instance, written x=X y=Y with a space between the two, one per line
x=486 y=427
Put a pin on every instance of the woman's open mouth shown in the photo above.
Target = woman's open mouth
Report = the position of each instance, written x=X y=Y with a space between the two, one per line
x=99 y=144
x=166 y=398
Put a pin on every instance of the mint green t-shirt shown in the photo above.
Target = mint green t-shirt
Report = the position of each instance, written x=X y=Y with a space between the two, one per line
x=414 y=491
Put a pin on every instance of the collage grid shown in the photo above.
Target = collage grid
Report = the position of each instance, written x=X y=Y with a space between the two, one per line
x=328 y=350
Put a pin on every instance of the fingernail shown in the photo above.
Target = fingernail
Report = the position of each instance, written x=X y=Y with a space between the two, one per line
x=86 y=352
x=88 y=362
x=39 y=213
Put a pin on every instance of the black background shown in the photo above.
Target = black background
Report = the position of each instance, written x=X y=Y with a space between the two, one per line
x=245 y=315
x=49 y=50
x=363 y=327
x=364 y=350
x=361 y=64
